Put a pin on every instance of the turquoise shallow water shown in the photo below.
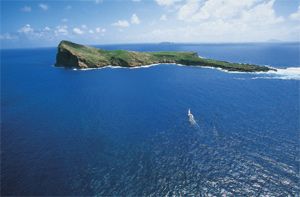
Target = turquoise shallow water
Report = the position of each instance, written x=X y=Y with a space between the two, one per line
x=126 y=131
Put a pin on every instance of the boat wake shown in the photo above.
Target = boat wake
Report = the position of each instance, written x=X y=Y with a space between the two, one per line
x=192 y=119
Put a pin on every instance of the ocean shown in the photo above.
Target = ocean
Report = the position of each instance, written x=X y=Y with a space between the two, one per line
x=126 y=132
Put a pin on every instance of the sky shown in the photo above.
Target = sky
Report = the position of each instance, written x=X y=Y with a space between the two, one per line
x=26 y=24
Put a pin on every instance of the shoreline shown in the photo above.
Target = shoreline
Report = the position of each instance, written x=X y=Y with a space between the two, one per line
x=288 y=73
x=273 y=69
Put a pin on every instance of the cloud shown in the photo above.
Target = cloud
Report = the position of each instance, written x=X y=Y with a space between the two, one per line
x=78 y=31
x=188 y=10
x=47 y=28
x=100 y=30
x=26 y=29
x=136 y=0
x=193 y=10
x=26 y=9
x=296 y=16
x=46 y=33
x=28 y=32
x=43 y=6
x=261 y=14
x=97 y=31
x=163 y=17
x=231 y=11
x=8 y=36
x=225 y=21
x=135 y=19
x=121 y=24
x=231 y=19
x=124 y=23
x=166 y=2
x=61 y=30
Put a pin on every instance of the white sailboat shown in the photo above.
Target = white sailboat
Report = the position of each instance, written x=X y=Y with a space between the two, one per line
x=189 y=113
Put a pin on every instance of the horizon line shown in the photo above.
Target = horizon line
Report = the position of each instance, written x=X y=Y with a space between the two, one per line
x=162 y=43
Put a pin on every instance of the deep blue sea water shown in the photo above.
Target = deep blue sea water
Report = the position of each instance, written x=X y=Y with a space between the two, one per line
x=112 y=132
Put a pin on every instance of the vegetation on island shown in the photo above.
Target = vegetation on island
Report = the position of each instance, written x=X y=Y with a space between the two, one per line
x=73 y=55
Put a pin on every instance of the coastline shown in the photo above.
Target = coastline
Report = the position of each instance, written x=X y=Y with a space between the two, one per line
x=288 y=73
x=84 y=57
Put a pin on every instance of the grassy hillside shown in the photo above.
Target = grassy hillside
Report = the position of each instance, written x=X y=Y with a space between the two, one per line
x=80 y=56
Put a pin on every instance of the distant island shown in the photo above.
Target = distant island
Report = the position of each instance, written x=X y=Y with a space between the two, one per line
x=72 y=55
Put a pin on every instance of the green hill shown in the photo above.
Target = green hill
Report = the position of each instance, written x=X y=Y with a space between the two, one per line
x=73 y=55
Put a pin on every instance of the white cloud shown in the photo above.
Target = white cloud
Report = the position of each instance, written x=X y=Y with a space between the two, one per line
x=225 y=21
x=91 y=31
x=45 y=33
x=193 y=10
x=100 y=30
x=188 y=10
x=43 y=6
x=121 y=23
x=229 y=10
x=7 y=36
x=61 y=30
x=135 y=19
x=296 y=15
x=166 y=2
x=261 y=14
x=47 y=28
x=64 y=20
x=124 y=23
x=32 y=33
x=26 y=9
x=78 y=31
x=163 y=17
x=231 y=19
x=26 y=29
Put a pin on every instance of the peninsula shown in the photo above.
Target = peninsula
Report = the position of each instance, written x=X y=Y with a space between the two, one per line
x=72 y=55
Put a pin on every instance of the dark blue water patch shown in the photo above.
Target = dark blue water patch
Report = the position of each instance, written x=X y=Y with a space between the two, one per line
x=126 y=131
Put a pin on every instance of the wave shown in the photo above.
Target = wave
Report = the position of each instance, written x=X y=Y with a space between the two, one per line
x=290 y=73
x=114 y=67
x=137 y=67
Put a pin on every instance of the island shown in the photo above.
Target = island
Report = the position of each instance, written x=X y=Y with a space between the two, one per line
x=72 y=55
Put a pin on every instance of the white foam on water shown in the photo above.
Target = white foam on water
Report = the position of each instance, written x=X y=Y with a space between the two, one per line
x=290 y=73
x=144 y=66
x=114 y=67
x=192 y=120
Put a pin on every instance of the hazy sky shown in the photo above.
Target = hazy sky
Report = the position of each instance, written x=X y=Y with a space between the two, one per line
x=45 y=23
